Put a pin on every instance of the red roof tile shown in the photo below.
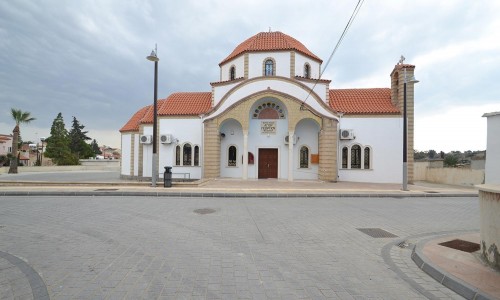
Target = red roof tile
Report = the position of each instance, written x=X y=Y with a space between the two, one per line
x=177 y=104
x=362 y=101
x=270 y=41
x=193 y=103
x=133 y=123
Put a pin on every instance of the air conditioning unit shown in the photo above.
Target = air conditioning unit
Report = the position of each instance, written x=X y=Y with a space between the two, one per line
x=146 y=139
x=347 y=134
x=287 y=139
x=166 y=138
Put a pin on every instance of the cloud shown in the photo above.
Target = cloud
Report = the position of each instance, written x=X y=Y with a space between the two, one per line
x=87 y=58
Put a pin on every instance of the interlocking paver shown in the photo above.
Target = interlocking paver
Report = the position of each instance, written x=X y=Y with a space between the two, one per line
x=259 y=248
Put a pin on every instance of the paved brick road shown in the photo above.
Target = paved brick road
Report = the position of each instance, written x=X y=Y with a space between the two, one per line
x=259 y=248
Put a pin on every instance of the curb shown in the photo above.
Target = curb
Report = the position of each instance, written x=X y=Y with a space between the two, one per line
x=453 y=283
x=190 y=194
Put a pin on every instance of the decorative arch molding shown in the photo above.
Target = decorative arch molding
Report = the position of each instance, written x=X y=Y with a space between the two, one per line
x=241 y=110
x=233 y=92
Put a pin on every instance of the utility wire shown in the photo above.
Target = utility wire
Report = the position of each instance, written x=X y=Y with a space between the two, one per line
x=349 y=23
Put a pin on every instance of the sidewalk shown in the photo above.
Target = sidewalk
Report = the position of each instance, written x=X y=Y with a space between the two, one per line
x=74 y=183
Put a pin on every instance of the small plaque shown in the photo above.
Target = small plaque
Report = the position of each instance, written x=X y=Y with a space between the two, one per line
x=268 y=127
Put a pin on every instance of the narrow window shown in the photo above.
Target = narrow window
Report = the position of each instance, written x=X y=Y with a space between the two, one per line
x=186 y=155
x=178 y=155
x=356 y=157
x=196 y=155
x=344 y=157
x=269 y=68
x=307 y=71
x=304 y=157
x=367 y=158
x=231 y=156
x=232 y=73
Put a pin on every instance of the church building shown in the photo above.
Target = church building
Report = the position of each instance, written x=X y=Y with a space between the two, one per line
x=269 y=115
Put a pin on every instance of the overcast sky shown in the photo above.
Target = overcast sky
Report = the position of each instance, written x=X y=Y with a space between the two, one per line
x=88 y=58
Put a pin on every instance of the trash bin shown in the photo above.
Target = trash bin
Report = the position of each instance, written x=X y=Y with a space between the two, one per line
x=167 y=177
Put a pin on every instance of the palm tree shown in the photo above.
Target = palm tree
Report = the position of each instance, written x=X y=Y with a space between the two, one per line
x=20 y=117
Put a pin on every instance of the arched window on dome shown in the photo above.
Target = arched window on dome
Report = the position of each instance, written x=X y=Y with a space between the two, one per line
x=307 y=70
x=232 y=73
x=269 y=67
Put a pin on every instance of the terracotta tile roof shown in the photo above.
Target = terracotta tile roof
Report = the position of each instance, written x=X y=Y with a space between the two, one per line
x=193 y=103
x=177 y=104
x=133 y=123
x=270 y=41
x=362 y=101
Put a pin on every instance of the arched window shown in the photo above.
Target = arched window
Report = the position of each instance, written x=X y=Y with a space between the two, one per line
x=269 y=67
x=196 y=155
x=356 y=157
x=367 y=158
x=232 y=73
x=186 y=155
x=231 y=156
x=304 y=157
x=178 y=155
x=307 y=70
x=345 y=154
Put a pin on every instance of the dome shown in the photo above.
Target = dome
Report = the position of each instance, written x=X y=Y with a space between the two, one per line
x=270 y=41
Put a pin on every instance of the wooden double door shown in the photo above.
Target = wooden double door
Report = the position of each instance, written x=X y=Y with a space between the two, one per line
x=268 y=163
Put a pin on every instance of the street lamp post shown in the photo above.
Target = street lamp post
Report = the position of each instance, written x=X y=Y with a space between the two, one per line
x=154 y=171
x=405 y=132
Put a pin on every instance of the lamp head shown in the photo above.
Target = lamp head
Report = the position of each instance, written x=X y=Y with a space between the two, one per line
x=152 y=56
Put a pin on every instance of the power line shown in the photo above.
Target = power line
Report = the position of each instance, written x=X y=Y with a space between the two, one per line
x=349 y=23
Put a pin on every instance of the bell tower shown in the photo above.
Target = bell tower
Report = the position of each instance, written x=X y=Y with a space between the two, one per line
x=400 y=74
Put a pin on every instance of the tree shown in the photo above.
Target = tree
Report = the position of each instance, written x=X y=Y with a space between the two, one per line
x=58 y=144
x=78 y=138
x=19 y=117
x=451 y=160
x=432 y=154
x=95 y=148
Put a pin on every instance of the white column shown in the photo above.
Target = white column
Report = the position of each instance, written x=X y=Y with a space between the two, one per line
x=290 y=155
x=245 y=154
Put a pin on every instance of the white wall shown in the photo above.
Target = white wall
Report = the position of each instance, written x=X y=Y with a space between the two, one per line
x=307 y=135
x=182 y=131
x=256 y=62
x=300 y=60
x=136 y=155
x=239 y=63
x=126 y=153
x=234 y=137
x=385 y=137
x=492 y=167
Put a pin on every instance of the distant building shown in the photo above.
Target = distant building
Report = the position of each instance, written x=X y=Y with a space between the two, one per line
x=492 y=166
x=5 y=144
x=271 y=116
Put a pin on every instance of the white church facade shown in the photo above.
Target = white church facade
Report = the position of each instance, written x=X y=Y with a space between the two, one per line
x=270 y=116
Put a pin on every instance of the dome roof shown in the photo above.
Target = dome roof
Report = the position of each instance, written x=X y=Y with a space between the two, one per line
x=270 y=41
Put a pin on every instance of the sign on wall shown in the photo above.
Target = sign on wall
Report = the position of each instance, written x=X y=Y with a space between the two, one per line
x=268 y=127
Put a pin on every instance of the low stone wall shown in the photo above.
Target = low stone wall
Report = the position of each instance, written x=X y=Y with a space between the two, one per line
x=86 y=165
x=453 y=176
x=489 y=207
